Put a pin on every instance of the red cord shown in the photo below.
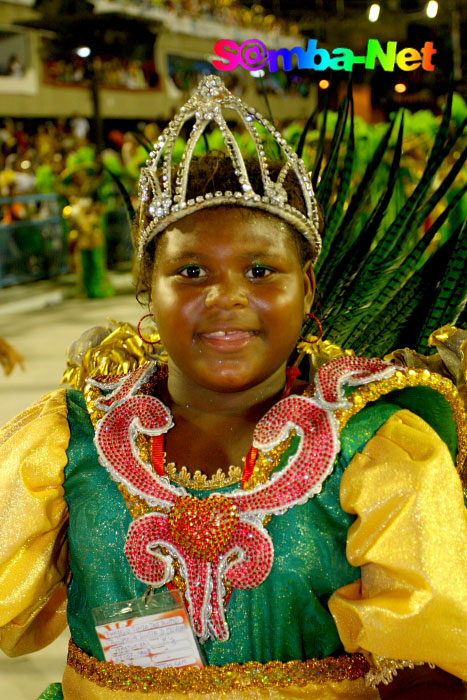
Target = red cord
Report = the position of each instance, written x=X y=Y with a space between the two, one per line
x=291 y=373
x=158 y=454
x=250 y=462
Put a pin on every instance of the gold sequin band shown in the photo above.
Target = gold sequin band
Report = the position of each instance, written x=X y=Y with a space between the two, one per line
x=407 y=378
x=216 y=678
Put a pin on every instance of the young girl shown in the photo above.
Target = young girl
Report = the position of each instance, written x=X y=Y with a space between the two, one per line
x=316 y=532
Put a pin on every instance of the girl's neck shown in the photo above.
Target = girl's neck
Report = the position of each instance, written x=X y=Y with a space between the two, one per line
x=250 y=404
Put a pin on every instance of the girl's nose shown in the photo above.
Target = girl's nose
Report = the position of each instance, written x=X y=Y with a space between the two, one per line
x=227 y=293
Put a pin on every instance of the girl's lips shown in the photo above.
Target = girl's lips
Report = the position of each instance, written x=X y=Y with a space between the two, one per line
x=228 y=340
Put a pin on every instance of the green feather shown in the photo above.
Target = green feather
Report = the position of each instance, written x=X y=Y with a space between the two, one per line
x=301 y=143
x=451 y=294
x=329 y=275
x=401 y=320
x=143 y=141
x=325 y=187
x=345 y=179
x=321 y=144
x=124 y=192
x=440 y=192
x=359 y=255
x=404 y=220
x=365 y=303
x=388 y=328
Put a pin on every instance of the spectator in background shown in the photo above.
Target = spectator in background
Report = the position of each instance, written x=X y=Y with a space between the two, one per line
x=15 y=67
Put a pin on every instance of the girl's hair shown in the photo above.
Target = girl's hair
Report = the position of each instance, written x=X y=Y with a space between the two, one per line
x=212 y=172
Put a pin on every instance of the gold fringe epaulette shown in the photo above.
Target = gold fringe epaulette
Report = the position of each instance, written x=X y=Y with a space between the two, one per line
x=115 y=350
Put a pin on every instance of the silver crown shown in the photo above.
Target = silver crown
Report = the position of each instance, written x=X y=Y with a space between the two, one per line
x=161 y=205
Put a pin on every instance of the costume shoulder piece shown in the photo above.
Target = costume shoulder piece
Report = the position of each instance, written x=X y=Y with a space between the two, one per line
x=34 y=551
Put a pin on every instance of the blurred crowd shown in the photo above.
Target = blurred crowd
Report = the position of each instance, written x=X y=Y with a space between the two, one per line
x=81 y=226
x=114 y=72
x=228 y=12
x=49 y=157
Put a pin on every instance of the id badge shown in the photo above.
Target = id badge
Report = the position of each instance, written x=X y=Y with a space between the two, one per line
x=151 y=631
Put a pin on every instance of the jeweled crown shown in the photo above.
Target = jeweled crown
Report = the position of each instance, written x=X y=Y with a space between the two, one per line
x=162 y=203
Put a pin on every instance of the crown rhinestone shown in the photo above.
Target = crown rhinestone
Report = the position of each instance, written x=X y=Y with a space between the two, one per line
x=163 y=203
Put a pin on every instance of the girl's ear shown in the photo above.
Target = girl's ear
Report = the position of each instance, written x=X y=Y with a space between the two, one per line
x=309 y=284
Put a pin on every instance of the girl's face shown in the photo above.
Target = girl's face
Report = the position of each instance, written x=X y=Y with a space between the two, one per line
x=229 y=297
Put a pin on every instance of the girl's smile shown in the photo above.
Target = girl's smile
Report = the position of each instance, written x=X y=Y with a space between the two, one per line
x=228 y=340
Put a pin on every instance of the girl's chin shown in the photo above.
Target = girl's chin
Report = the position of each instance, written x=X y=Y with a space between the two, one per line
x=231 y=386
x=231 y=382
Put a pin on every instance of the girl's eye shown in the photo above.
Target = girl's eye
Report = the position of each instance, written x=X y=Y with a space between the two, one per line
x=192 y=272
x=258 y=272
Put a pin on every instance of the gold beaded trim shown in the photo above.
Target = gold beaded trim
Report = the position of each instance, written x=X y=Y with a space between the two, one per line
x=383 y=670
x=200 y=481
x=413 y=377
x=91 y=395
x=218 y=679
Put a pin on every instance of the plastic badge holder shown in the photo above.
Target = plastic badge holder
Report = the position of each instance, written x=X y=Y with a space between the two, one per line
x=151 y=631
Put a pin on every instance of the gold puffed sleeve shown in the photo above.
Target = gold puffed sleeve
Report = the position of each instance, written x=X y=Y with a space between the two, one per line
x=410 y=540
x=33 y=526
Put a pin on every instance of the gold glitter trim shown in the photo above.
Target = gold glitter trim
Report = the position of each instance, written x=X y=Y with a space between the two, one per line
x=383 y=670
x=267 y=462
x=200 y=481
x=136 y=505
x=91 y=395
x=413 y=377
x=216 y=678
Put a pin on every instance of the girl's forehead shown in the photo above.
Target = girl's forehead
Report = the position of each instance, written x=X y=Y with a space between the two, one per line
x=237 y=225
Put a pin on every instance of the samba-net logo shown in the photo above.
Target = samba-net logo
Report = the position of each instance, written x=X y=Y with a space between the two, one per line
x=253 y=55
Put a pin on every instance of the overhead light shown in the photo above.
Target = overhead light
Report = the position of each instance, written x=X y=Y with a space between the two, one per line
x=373 y=12
x=324 y=84
x=432 y=9
x=83 y=51
x=400 y=88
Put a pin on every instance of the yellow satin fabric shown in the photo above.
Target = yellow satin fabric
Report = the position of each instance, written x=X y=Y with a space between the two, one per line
x=410 y=540
x=33 y=522
x=75 y=687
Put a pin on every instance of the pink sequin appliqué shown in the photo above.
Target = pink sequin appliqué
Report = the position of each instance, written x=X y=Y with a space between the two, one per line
x=222 y=537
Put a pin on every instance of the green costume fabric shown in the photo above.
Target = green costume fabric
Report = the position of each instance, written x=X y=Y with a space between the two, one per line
x=53 y=692
x=287 y=616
